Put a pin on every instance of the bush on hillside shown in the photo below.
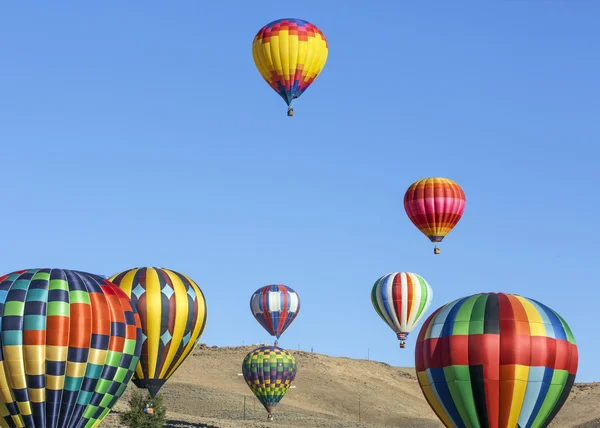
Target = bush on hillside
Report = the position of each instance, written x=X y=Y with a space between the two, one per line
x=136 y=417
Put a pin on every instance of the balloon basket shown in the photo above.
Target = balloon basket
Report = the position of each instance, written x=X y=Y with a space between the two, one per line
x=290 y=112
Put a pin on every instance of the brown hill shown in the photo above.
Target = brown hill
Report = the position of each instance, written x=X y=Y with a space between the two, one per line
x=207 y=391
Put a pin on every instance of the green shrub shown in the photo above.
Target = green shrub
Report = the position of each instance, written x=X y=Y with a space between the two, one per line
x=135 y=417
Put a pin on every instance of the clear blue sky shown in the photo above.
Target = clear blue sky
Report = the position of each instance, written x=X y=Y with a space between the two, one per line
x=143 y=135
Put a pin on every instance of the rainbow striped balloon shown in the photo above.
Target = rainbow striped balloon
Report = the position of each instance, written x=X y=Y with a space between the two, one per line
x=289 y=54
x=435 y=205
x=173 y=314
x=275 y=307
x=70 y=342
x=496 y=360
x=401 y=299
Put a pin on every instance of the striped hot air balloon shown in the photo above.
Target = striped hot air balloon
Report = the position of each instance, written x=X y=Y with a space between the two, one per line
x=289 y=54
x=496 y=360
x=401 y=299
x=173 y=313
x=70 y=342
x=275 y=307
x=435 y=205
x=269 y=372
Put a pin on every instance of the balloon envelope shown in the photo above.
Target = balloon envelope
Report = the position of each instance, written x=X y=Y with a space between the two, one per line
x=289 y=54
x=173 y=314
x=269 y=372
x=401 y=299
x=496 y=360
x=435 y=205
x=275 y=307
x=70 y=343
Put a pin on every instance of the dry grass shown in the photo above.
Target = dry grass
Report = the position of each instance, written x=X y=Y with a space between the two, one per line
x=206 y=391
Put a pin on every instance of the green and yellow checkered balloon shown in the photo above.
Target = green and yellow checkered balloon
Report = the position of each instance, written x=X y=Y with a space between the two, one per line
x=269 y=372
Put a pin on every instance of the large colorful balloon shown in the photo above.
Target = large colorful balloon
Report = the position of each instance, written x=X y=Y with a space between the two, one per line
x=269 y=372
x=496 y=360
x=289 y=54
x=435 y=205
x=401 y=299
x=70 y=342
x=173 y=313
x=275 y=307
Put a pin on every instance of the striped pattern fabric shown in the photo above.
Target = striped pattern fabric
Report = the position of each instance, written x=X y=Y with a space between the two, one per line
x=275 y=307
x=69 y=344
x=401 y=299
x=289 y=54
x=435 y=205
x=173 y=313
x=496 y=360
x=269 y=372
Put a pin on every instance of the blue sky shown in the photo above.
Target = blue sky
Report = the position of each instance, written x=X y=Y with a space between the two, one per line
x=144 y=136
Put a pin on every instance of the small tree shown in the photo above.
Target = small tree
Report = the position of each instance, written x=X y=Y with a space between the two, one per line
x=136 y=416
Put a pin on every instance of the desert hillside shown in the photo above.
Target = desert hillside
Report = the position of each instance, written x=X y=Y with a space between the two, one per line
x=207 y=391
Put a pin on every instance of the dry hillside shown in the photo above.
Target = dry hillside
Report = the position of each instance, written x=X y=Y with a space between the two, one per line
x=206 y=391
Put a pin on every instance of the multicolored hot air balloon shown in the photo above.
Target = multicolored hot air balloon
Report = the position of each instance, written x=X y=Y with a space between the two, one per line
x=269 y=372
x=289 y=54
x=401 y=299
x=70 y=342
x=435 y=205
x=496 y=360
x=275 y=307
x=173 y=313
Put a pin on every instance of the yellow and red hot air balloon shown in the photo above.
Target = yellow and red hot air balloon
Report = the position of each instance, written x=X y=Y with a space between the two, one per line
x=289 y=54
x=435 y=205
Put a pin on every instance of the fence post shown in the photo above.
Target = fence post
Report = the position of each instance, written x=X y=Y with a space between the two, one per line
x=244 y=407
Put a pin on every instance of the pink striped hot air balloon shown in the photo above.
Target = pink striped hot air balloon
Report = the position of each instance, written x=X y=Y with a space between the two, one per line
x=435 y=205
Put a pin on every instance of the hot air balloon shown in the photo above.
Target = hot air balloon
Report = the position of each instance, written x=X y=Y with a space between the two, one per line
x=275 y=307
x=173 y=314
x=401 y=299
x=289 y=54
x=496 y=360
x=435 y=205
x=70 y=343
x=269 y=372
